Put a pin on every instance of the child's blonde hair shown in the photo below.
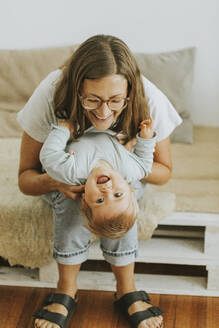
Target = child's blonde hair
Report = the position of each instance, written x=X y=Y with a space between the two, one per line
x=113 y=227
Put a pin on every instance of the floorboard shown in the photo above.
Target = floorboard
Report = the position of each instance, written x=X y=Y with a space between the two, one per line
x=212 y=314
x=95 y=309
x=168 y=305
x=191 y=312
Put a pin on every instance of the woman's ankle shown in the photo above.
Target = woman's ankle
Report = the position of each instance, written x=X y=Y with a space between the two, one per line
x=68 y=289
x=67 y=283
x=124 y=289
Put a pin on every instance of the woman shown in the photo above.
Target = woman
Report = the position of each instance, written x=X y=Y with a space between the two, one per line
x=100 y=73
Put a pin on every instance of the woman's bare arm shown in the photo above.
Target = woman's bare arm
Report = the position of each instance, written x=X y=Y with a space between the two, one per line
x=162 y=166
x=31 y=181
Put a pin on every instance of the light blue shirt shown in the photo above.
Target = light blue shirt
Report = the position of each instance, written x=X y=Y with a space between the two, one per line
x=94 y=145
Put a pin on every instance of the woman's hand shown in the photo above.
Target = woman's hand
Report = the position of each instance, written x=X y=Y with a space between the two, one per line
x=74 y=192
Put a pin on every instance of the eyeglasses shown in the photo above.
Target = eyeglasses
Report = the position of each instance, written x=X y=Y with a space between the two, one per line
x=114 y=104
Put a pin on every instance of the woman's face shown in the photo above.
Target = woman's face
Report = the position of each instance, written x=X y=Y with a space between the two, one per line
x=110 y=87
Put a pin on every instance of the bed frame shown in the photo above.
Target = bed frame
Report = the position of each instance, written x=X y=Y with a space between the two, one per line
x=199 y=247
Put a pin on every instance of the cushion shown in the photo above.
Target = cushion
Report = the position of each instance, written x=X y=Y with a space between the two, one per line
x=21 y=72
x=172 y=72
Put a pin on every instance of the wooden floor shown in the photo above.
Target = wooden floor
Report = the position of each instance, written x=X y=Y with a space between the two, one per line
x=95 y=309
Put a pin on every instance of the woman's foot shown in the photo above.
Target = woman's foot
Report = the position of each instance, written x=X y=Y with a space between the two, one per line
x=67 y=285
x=152 y=322
x=56 y=308
x=130 y=301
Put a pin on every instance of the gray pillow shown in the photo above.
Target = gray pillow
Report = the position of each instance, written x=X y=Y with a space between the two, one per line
x=172 y=72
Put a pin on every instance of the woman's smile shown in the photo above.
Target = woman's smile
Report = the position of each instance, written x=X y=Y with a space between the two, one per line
x=104 y=88
x=101 y=117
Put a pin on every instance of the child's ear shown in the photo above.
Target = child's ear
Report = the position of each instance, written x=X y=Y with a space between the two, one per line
x=83 y=195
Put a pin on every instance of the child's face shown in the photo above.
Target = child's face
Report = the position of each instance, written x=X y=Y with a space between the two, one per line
x=107 y=193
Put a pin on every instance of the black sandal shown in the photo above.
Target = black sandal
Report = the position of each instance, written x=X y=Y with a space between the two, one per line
x=128 y=299
x=57 y=318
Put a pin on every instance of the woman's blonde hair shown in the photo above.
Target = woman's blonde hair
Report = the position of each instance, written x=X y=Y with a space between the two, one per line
x=113 y=227
x=98 y=57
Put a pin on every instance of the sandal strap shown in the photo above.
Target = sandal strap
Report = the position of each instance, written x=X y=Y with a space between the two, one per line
x=63 y=299
x=53 y=317
x=128 y=299
x=138 y=317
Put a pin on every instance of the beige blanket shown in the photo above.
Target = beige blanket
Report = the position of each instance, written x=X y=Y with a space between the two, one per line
x=195 y=178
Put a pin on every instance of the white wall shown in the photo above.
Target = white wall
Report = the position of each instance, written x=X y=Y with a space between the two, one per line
x=145 y=25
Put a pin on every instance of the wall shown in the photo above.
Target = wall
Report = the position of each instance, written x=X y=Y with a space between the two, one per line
x=145 y=25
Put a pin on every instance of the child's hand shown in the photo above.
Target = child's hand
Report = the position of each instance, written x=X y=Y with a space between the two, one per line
x=146 y=129
x=66 y=124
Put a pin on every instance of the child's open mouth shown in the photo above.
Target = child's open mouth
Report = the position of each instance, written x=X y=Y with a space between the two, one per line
x=102 y=179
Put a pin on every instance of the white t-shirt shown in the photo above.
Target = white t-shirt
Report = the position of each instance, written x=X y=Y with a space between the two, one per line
x=38 y=113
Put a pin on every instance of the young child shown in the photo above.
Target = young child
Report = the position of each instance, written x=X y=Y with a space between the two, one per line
x=106 y=168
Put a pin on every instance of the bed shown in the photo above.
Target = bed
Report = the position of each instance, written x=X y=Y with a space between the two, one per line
x=182 y=217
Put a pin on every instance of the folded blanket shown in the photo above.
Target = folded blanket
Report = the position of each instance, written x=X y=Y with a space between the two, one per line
x=193 y=195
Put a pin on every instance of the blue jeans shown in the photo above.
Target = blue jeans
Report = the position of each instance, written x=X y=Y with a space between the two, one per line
x=72 y=238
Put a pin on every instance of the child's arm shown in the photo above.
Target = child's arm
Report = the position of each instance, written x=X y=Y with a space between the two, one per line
x=59 y=164
x=145 y=145
x=146 y=131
